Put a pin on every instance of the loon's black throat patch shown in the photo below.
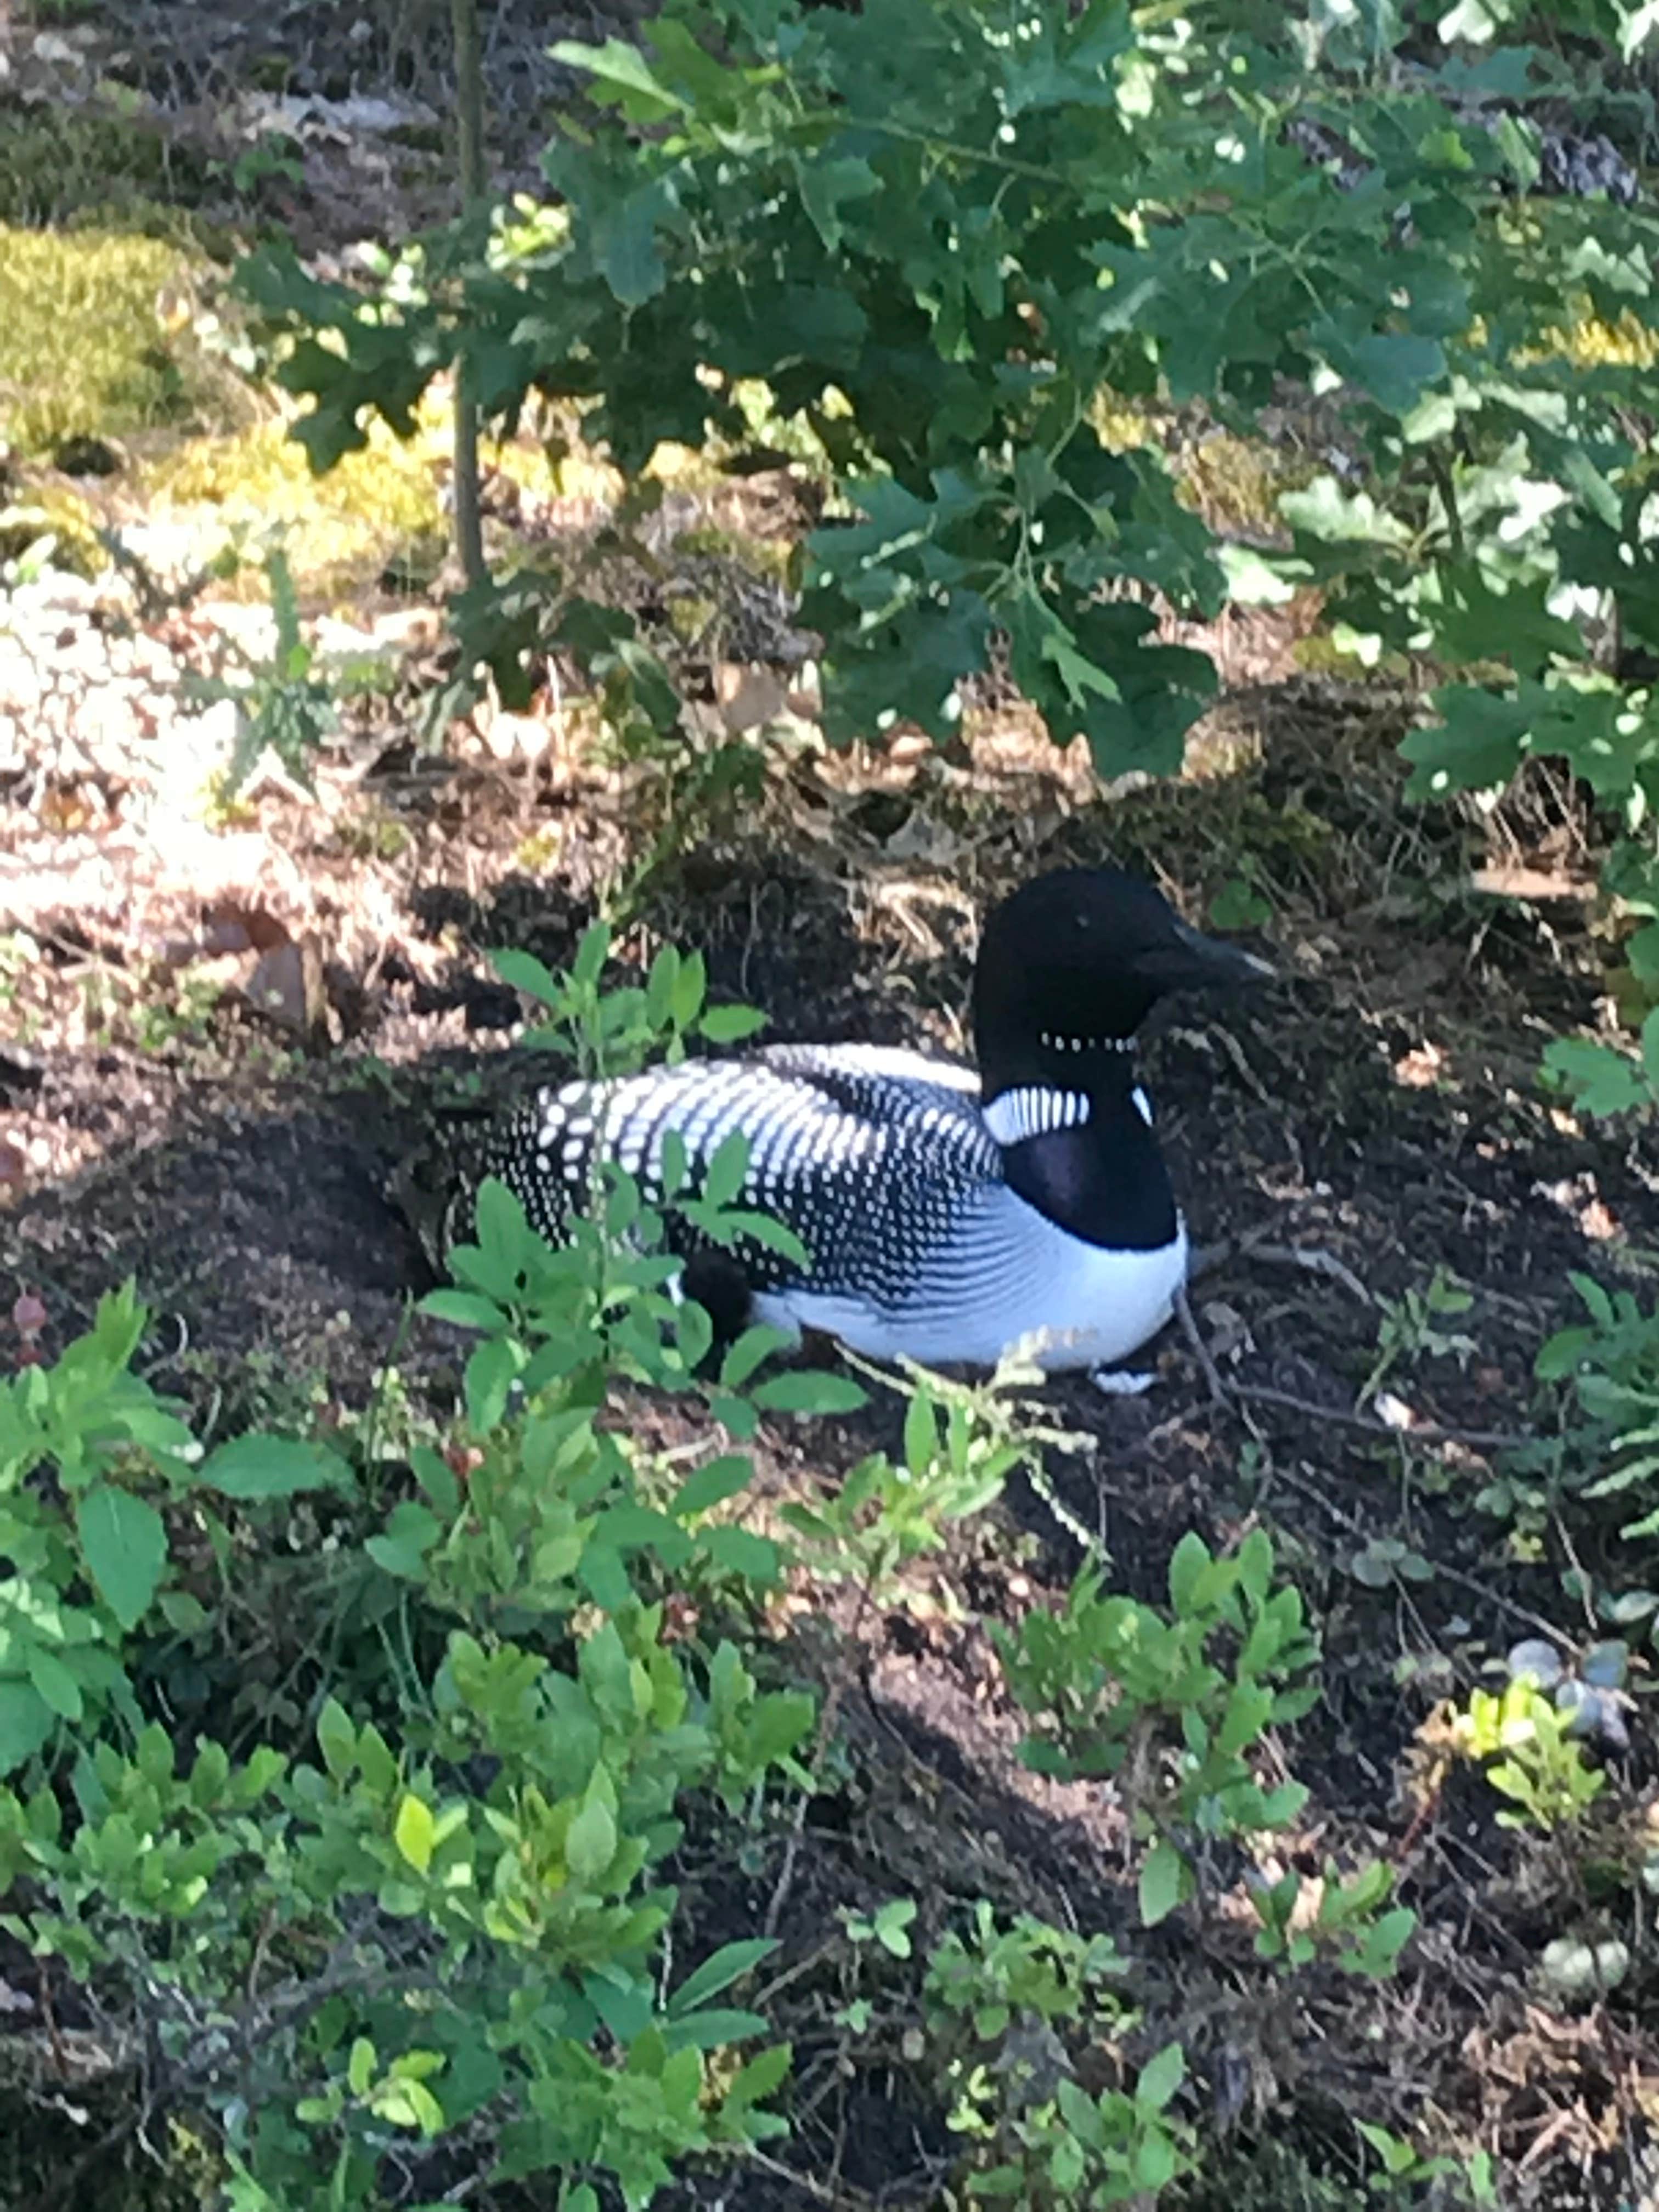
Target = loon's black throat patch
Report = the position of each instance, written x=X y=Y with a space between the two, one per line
x=1103 y=1180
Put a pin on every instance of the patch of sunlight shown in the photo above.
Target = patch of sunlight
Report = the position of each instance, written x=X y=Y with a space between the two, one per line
x=84 y=351
x=51 y=522
x=1119 y=424
x=375 y=508
x=1237 y=483
x=1591 y=341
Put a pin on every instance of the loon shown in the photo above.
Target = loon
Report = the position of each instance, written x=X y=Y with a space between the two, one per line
x=950 y=1214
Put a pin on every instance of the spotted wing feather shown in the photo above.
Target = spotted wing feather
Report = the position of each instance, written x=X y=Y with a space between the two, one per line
x=871 y=1158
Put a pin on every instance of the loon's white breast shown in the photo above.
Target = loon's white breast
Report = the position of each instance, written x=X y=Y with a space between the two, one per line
x=1063 y=1303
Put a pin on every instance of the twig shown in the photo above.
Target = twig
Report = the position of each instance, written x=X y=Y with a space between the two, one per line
x=814 y=2188
x=469 y=112
x=48 y=2013
x=1423 y=1432
x=1313 y=1258
x=1200 y=1351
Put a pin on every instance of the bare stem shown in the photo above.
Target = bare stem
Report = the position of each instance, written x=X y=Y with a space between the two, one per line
x=469 y=117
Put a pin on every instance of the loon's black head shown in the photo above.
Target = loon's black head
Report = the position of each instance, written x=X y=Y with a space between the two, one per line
x=1070 y=965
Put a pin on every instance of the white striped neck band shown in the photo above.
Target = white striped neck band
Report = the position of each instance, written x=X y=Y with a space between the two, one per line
x=1055 y=1041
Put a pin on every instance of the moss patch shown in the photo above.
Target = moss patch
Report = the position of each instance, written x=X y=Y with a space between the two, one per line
x=377 y=510
x=83 y=352
x=57 y=514
x=1234 y=483
x=59 y=163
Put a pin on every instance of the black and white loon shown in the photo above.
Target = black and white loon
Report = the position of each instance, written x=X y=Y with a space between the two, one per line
x=949 y=1214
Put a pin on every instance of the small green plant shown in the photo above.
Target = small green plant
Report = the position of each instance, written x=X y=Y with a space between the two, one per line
x=1402 y=2172
x=994 y=1977
x=1171 y=1704
x=86 y=1560
x=1013 y=2014
x=1075 y=2151
x=435 y=1917
x=1602 y=1079
x=173 y=1012
x=270 y=157
x=1411 y=1329
x=1612 y=1363
x=611 y=1031
x=287 y=703
x=1241 y=903
x=1347 y=1925
x=1534 y=1761
x=888 y=1925
x=961 y=1441
x=1598 y=1464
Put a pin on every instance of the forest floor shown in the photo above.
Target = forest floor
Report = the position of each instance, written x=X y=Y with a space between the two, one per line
x=222 y=1022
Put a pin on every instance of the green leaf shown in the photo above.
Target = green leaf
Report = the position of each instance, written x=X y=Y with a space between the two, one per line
x=763 y=1228
x=27 y=1721
x=491 y=1371
x=625 y=244
x=718 y=1972
x=437 y=1478
x=1189 y=1563
x=920 y=1433
x=740 y=1551
x=1325 y=511
x=125 y=1544
x=1395 y=366
x=1477 y=617
x=253 y=1466
x=809 y=1390
x=1161 y=2076
x=731 y=1024
x=712 y=1484
x=621 y=73
x=724 y=1175
x=415 y=1832
x=524 y=972
x=829 y=184
x=1600 y=1079
x=463 y=1309
x=411 y=1532
x=590 y=1844
x=1478 y=746
x=55 y=1684
x=712 y=2029
x=752 y=1347
x=688 y=990
x=336 y=1739
x=1163 y=1880
x=758 y=2078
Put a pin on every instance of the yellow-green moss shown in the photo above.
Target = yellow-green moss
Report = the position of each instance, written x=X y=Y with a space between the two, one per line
x=83 y=352
x=1119 y=424
x=52 y=511
x=690 y=617
x=1591 y=341
x=376 y=509
x=1233 y=483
